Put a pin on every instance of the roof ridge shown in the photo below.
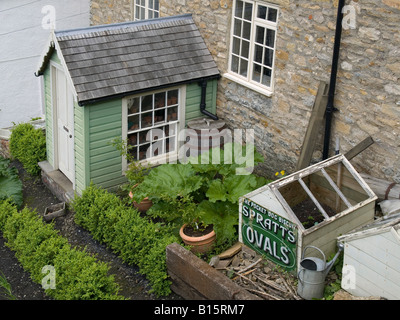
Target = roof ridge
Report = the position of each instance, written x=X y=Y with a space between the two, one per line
x=121 y=25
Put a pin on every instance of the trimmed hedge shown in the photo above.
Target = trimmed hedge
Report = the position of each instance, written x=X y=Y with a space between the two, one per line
x=135 y=239
x=28 y=145
x=79 y=276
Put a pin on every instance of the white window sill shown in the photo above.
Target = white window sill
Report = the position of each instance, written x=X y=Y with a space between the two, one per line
x=246 y=84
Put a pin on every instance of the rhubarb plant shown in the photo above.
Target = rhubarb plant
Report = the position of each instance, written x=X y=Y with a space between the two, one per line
x=200 y=191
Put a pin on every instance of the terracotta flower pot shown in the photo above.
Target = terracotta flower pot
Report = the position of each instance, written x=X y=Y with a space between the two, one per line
x=142 y=206
x=200 y=244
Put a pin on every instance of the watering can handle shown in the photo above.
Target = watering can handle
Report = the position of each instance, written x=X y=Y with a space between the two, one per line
x=298 y=275
x=318 y=249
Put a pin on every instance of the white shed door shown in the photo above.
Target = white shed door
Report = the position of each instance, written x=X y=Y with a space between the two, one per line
x=64 y=118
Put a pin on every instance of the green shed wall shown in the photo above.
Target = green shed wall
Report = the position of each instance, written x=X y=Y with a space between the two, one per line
x=96 y=160
x=193 y=99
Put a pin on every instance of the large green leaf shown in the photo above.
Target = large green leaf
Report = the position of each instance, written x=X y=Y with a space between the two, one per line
x=10 y=184
x=168 y=180
x=224 y=216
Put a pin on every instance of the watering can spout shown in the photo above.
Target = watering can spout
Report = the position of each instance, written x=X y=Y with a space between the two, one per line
x=329 y=265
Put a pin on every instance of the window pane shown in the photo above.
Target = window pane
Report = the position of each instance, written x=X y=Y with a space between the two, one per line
x=245 y=49
x=150 y=4
x=236 y=46
x=156 y=5
x=266 y=79
x=246 y=30
x=269 y=56
x=272 y=14
x=172 y=97
x=143 y=3
x=147 y=102
x=270 y=41
x=172 y=114
x=159 y=100
x=142 y=13
x=243 y=67
x=237 y=28
x=262 y=12
x=155 y=14
x=239 y=9
x=235 y=64
x=133 y=105
x=147 y=119
x=260 y=34
x=257 y=73
x=133 y=122
x=258 y=53
x=150 y=14
x=248 y=11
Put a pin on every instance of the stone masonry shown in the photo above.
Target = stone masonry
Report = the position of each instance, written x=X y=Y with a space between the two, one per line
x=367 y=90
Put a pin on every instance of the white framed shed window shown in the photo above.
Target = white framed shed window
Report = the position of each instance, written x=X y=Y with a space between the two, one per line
x=152 y=123
x=145 y=9
x=253 y=41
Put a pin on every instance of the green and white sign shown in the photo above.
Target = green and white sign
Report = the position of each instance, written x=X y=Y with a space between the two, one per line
x=269 y=234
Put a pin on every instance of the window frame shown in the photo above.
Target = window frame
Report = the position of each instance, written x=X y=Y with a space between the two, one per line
x=146 y=8
x=180 y=123
x=255 y=21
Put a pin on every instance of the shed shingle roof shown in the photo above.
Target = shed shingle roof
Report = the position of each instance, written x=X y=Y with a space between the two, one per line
x=121 y=59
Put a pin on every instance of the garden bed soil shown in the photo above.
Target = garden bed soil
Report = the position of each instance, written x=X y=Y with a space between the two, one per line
x=133 y=285
x=309 y=215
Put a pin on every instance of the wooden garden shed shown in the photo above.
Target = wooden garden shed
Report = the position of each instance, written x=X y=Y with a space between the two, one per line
x=371 y=264
x=141 y=81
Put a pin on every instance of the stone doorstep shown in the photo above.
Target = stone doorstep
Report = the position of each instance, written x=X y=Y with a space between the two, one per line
x=193 y=279
x=56 y=182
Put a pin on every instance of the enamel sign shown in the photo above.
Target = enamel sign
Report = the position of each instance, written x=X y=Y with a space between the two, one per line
x=269 y=234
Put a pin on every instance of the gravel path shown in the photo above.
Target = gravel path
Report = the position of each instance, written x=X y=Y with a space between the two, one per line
x=133 y=285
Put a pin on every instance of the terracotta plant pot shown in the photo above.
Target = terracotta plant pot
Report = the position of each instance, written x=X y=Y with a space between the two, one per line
x=142 y=206
x=200 y=244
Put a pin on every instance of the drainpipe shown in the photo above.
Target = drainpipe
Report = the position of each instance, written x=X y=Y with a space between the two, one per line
x=331 y=95
x=203 y=84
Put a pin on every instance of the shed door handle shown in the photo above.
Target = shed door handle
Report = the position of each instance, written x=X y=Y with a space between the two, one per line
x=65 y=128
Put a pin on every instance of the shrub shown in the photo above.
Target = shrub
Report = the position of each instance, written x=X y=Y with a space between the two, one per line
x=36 y=244
x=10 y=184
x=135 y=239
x=28 y=145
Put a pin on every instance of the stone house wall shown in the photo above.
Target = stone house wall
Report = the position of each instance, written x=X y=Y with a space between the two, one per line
x=367 y=90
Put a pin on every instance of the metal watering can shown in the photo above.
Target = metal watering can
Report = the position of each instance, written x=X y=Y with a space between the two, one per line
x=312 y=274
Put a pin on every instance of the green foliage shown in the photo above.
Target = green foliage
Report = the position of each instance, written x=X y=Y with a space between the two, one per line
x=36 y=244
x=135 y=239
x=10 y=184
x=5 y=288
x=28 y=145
x=136 y=170
x=206 y=189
